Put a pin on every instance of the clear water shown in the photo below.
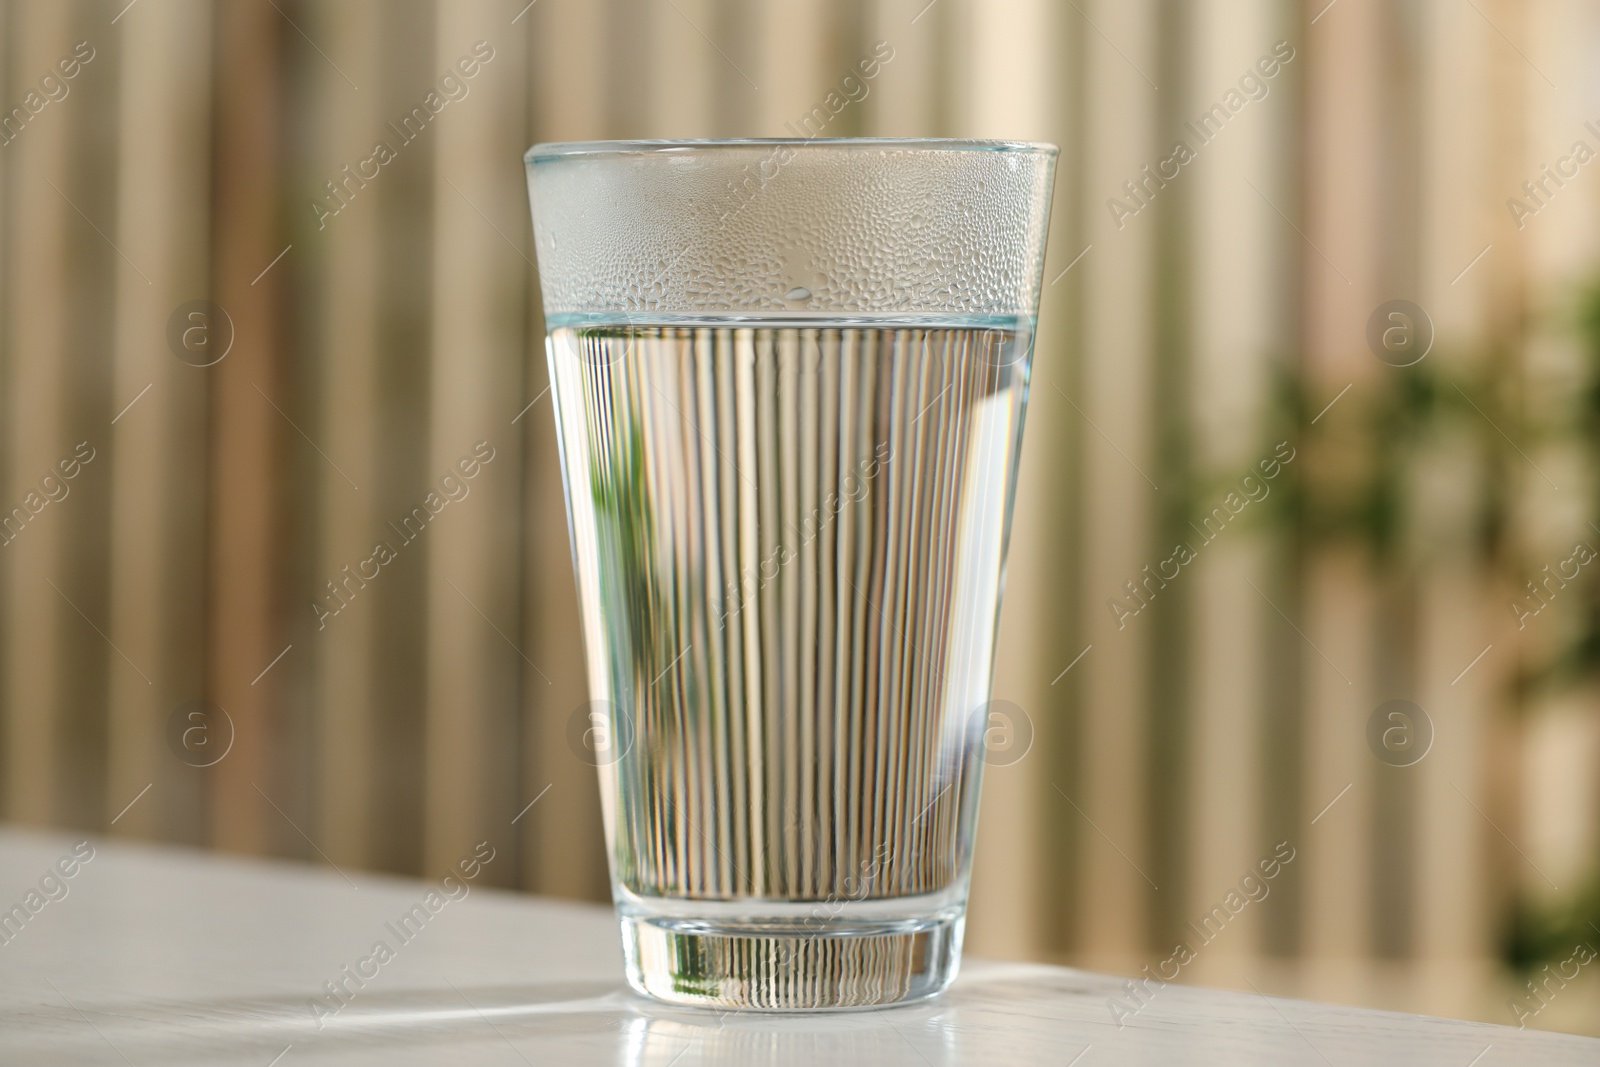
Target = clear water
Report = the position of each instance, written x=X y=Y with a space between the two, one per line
x=789 y=541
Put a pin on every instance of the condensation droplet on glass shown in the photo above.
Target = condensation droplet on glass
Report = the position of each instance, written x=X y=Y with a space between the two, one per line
x=798 y=293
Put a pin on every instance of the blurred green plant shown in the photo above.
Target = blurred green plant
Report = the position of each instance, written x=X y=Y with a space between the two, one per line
x=1536 y=933
x=1357 y=487
x=1539 y=935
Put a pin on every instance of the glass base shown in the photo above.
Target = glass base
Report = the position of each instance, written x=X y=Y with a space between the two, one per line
x=791 y=965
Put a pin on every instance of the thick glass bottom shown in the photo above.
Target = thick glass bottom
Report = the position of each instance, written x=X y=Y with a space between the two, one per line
x=791 y=965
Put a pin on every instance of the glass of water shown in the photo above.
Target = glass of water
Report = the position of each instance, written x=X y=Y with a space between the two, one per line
x=789 y=379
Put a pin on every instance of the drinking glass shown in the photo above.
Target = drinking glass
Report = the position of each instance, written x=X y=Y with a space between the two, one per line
x=788 y=379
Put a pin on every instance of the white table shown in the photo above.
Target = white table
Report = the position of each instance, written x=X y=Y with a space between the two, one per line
x=158 y=955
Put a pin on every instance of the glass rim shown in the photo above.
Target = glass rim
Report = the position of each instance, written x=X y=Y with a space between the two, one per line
x=549 y=151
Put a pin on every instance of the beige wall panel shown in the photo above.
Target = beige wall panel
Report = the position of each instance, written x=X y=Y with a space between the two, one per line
x=157 y=439
x=350 y=522
x=480 y=277
x=1119 y=498
x=42 y=629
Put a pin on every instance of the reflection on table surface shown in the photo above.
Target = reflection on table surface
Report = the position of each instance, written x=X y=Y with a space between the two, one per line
x=1011 y=1013
x=159 y=955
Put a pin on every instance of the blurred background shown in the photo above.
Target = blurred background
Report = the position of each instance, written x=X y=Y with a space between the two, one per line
x=237 y=342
